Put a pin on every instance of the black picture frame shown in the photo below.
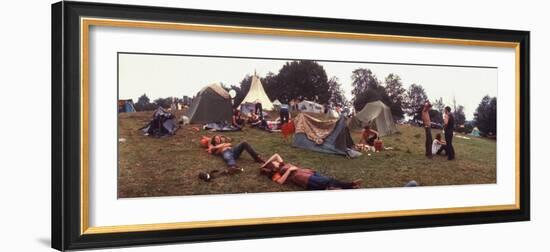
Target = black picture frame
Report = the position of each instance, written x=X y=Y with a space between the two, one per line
x=66 y=152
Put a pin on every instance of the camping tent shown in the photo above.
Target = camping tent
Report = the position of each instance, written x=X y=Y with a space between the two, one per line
x=376 y=114
x=327 y=136
x=256 y=94
x=211 y=104
x=247 y=108
x=311 y=107
x=475 y=132
x=277 y=104
x=162 y=124
x=331 y=113
x=125 y=106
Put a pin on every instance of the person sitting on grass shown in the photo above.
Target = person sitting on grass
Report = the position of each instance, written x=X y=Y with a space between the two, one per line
x=438 y=146
x=230 y=154
x=257 y=121
x=237 y=120
x=253 y=119
x=280 y=172
x=368 y=136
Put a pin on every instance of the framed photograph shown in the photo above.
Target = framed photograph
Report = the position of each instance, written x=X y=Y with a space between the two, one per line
x=181 y=125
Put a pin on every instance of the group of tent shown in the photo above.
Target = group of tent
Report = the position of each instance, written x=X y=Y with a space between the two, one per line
x=213 y=104
x=333 y=135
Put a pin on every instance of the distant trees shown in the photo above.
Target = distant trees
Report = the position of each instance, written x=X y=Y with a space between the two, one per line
x=460 y=117
x=396 y=95
x=439 y=105
x=296 y=79
x=485 y=117
x=414 y=100
x=164 y=102
x=143 y=104
x=302 y=78
x=336 y=93
x=365 y=88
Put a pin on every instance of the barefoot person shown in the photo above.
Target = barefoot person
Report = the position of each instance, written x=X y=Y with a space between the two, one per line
x=438 y=146
x=449 y=120
x=427 y=127
x=281 y=172
x=230 y=154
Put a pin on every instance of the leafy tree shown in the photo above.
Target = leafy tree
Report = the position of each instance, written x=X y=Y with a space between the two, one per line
x=395 y=94
x=271 y=86
x=336 y=93
x=460 y=117
x=143 y=100
x=439 y=105
x=301 y=79
x=485 y=116
x=435 y=116
x=414 y=100
x=366 y=88
x=144 y=104
x=164 y=102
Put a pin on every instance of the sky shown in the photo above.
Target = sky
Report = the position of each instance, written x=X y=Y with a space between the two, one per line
x=177 y=75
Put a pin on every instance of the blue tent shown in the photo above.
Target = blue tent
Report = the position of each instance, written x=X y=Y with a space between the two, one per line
x=126 y=106
x=338 y=141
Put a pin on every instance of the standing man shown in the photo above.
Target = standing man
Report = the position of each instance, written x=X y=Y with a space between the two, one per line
x=284 y=111
x=427 y=127
x=449 y=128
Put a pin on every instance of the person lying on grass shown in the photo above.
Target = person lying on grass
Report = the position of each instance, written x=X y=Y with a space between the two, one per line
x=280 y=172
x=230 y=154
x=438 y=146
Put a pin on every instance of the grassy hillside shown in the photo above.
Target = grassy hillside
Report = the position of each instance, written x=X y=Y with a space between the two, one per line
x=150 y=166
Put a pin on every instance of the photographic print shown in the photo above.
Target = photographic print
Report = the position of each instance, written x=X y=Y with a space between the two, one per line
x=295 y=125
x=203 y=124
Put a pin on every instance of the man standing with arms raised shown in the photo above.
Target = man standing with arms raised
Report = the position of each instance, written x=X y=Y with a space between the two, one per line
x=427 y=127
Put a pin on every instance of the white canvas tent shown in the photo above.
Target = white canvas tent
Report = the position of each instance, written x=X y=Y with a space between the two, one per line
x=257 y=94
x=376 y=114
x=311 y=107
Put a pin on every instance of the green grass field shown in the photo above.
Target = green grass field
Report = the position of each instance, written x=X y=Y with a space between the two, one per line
x=169 y=166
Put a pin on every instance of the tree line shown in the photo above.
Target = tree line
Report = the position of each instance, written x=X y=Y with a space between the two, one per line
x=308 y=80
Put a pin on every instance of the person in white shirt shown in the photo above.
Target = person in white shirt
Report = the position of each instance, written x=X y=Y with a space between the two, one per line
x=438 y=146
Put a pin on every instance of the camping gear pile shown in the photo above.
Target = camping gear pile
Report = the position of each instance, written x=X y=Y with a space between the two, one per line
x=220 y=127
x=377 y=115
x=162 y=124
x=326 y=136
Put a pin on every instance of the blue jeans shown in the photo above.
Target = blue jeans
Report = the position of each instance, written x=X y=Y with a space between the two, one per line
x=231 y=155
x=321 y=182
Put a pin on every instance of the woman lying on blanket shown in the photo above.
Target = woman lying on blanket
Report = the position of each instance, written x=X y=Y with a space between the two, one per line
x=280 y=172
x=231 y=153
